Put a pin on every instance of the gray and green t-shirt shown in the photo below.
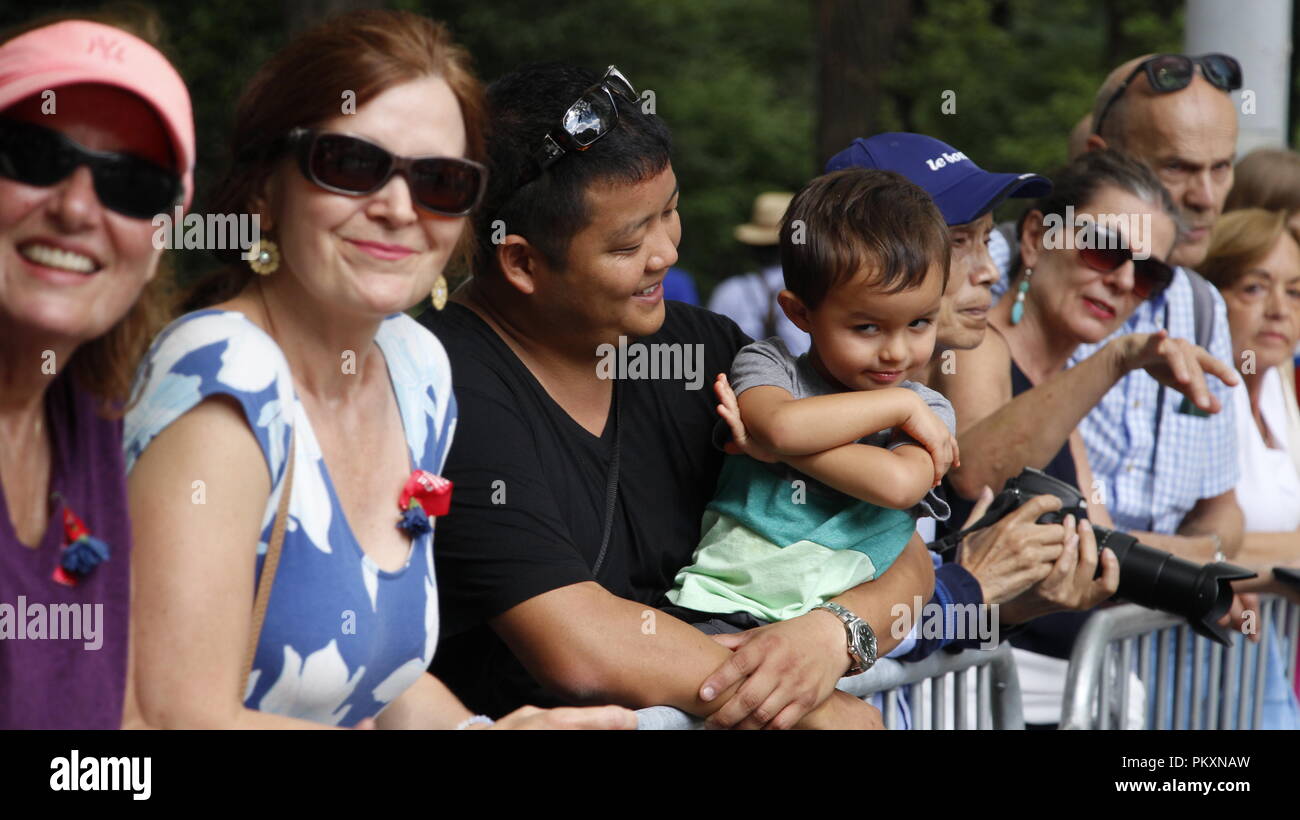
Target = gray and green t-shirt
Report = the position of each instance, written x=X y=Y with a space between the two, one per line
x=777 y=542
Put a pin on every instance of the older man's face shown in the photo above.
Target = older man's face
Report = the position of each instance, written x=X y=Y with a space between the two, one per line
x=1189 y=138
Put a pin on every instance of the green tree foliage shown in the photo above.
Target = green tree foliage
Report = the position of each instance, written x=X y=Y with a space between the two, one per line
x=1023 y=72
x=734 y=79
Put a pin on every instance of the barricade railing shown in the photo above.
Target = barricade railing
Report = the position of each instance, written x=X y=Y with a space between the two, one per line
x=943 y=691
x=1186 y=681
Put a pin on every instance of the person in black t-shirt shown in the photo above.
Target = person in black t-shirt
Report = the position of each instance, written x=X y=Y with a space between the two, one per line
x=578 y=496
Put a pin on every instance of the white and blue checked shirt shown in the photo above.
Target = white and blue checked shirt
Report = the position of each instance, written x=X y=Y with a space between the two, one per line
x=1196 y=457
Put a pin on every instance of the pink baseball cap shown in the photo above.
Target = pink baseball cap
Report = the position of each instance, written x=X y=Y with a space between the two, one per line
x=79 y=51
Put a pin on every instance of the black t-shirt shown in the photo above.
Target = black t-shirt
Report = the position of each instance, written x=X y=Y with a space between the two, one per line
x=528 y=508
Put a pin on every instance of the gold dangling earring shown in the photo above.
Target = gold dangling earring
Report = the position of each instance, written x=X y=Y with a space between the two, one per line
x=264 y=257
x=439 y=294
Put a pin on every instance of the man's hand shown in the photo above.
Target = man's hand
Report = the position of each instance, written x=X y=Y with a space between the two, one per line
x=741 y=443
x=788 y=669
x=1012 y=555
x=924 y=425
x=1177 y=364
x=1070 y=585
x=843 y=711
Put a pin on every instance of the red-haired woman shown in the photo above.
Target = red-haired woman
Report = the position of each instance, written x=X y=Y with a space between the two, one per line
x=304 y=382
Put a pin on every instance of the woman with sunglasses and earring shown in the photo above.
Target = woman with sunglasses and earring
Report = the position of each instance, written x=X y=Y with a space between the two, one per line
x=286 y=441
x=96 y=137
x=1090 y=253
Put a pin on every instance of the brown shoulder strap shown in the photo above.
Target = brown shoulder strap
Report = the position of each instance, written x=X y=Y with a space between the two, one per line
x=267 y=579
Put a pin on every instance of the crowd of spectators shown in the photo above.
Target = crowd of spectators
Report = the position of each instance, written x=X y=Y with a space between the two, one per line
x=322 y=488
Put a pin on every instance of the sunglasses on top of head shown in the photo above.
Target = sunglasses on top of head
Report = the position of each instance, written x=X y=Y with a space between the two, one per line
x=343 y=164
x=590 y=117
x=1167 y=73
x=1150 y=275
x=124 y=183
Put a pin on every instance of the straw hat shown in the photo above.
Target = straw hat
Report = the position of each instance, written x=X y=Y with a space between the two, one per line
x=764 y=227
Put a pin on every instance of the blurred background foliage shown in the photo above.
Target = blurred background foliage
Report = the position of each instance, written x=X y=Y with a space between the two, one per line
x=758 y=92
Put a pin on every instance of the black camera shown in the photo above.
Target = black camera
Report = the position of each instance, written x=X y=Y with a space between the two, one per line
x=1148 y=576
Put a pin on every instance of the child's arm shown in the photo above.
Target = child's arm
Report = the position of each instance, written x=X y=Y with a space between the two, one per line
x=897 y=479
x=786 y=426
x=843 y=470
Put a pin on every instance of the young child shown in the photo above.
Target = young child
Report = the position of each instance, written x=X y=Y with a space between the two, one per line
x=865 y=256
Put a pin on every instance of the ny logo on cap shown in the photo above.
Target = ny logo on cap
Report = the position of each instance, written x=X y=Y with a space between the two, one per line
x=109 y=49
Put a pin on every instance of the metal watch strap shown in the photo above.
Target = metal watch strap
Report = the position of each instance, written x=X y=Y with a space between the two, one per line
x=850 y=621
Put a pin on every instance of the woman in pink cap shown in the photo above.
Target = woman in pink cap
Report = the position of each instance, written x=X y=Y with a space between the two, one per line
x=96 y=138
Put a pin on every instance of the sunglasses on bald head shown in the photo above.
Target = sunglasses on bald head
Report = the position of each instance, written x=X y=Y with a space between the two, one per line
x=124 y=183
x=344 y=164
x=1167 y=73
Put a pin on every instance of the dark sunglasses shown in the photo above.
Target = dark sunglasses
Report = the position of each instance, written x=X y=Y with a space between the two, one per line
x=344 y=164
x=593 y=115
x=1167 y=73
x=131 y=186
x=1150 y=275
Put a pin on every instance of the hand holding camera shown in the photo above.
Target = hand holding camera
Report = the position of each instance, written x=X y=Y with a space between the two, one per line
x=1147 y=576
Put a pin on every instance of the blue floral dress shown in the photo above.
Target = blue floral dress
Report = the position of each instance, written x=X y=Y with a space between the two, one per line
x=342 y=637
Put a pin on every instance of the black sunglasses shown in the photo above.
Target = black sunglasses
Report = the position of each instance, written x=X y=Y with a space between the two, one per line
x=1150 y=275
x=593 y=115
x=1167 y=73
x=131 y=186
x=344 y=164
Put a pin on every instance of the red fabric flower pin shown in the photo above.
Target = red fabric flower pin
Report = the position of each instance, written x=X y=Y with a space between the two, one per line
x=424 y=496
x=82 y=552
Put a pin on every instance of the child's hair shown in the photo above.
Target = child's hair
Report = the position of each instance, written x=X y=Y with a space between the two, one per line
x=843 y=222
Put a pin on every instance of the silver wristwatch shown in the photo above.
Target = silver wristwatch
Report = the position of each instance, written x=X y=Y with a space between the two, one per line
x=862 y=641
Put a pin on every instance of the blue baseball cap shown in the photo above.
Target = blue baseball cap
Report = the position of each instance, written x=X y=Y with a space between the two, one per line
x=962 y=190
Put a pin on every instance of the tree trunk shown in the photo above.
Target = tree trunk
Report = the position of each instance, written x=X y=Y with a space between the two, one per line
x=857 y=41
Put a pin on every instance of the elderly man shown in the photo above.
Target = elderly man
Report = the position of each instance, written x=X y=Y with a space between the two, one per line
x=1165 y=470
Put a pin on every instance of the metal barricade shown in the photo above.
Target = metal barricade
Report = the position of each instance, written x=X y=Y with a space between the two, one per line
x=1187 y=682
x=985 y=691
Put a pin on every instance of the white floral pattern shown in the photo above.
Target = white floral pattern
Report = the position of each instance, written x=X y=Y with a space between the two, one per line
x=316 y=688
x=342 y=637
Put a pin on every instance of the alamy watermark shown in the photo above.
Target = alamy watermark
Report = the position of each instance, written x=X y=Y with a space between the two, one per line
x=32 y=621
x=657 y=360
x=207 y=232
x=99 y=774
x=953 y=622
x=1098 y=231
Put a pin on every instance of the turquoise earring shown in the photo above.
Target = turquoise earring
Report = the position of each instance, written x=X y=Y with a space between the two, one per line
x=1018 y=309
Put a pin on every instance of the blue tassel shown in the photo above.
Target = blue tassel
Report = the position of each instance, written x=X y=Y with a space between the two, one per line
x=414 y=522
x=84 y=554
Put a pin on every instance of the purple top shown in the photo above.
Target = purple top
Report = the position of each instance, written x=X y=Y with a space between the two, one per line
x=60 y=667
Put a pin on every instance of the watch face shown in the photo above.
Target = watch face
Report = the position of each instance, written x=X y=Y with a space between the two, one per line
x=863 y=642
